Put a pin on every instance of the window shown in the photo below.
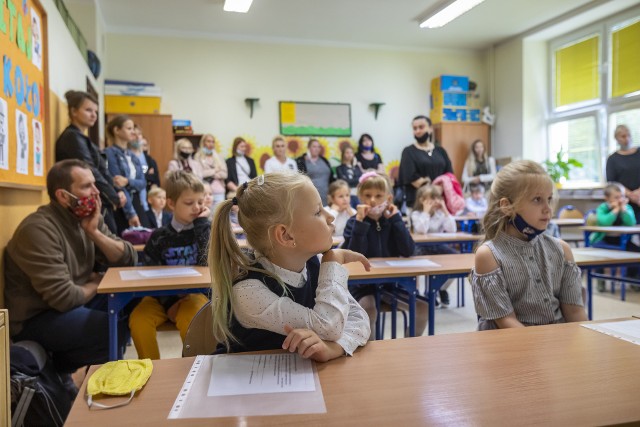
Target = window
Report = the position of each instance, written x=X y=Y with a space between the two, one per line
x=595 y=78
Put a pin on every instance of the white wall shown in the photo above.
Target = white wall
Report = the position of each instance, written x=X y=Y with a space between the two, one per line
x=207 y=81
x=535 y=85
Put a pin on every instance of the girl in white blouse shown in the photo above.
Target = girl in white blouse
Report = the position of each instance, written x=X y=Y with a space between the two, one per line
x=281 y=296
x=522 y=276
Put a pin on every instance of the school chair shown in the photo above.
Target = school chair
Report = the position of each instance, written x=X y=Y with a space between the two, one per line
x=590 y=218
x=390 y=305
x=199 y=338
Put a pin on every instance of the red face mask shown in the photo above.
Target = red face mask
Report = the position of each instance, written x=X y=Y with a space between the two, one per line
x=82 y=207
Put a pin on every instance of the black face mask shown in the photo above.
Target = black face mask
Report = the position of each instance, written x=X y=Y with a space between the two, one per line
x=424 y=138
x=184 y=155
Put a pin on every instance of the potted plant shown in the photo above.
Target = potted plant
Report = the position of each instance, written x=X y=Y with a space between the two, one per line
x=559 y=169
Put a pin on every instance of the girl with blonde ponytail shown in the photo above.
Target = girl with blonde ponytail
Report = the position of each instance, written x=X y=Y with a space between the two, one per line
x=280 y=296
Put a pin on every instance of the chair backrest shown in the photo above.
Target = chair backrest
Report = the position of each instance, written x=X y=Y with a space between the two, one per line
x=569 y=211
x=199 y=337
x=590 y=217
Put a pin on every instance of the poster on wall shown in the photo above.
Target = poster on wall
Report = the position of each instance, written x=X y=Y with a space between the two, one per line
x=315 y=118
x=23 y=97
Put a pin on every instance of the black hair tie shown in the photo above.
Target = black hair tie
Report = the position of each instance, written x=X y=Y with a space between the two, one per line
x=234 y=201
x=245 y=185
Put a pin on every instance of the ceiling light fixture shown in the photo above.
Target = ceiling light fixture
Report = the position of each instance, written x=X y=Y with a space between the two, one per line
x=241 y=6
x=447 y=12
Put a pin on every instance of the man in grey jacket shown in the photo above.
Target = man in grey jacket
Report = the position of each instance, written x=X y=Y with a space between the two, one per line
x=50 y=278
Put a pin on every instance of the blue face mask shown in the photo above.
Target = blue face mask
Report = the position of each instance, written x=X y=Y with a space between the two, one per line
x=366 y=148
x=523 y=227
x=207 y=151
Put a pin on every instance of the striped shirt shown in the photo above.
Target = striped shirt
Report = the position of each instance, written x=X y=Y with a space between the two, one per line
x=532 y=280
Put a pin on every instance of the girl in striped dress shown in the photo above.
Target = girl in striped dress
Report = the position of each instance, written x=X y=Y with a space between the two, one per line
x=523 y=277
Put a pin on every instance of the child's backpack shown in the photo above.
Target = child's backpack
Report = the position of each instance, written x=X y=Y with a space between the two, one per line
x=40 y=396
x=452 y=192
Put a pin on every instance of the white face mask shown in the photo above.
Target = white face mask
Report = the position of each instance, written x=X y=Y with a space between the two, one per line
x=377 y=211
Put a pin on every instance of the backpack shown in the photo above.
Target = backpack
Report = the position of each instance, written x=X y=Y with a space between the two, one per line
x=40 y=396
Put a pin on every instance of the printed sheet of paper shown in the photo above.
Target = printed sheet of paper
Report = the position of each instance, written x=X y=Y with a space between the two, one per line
x=628 y=330
x=193 y=400
x=158 y=273
x=405 y=263
x=260 y=373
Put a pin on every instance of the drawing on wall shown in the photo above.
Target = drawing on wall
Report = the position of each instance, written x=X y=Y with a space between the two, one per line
x=37 y=149
x=4 y=135
x=22 y=143
x=315 y=119
x=36 y=38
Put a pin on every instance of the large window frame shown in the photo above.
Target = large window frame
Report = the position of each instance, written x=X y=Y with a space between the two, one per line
x=600 y=109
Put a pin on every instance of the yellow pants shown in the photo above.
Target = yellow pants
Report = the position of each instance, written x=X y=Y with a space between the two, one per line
x=149 y=314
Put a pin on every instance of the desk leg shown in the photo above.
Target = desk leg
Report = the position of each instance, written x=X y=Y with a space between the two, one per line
x=412 y=309
x=116 y=302
x=431 y=294
x=589 y=294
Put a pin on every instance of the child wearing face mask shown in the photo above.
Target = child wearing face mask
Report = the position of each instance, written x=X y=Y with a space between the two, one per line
x=377 y=230
x=522 y=276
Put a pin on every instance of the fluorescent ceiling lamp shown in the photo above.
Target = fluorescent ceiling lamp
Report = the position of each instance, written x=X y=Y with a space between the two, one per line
x=241 y=6
x=442 y=16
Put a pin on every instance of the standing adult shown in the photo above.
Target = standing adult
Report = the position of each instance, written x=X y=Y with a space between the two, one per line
x=126 y=170
x=317 y=168
x=279 y=162
x=135 y=147
x=73 y=143
x=183 y=159
x=367 y=156
x=423 y=161
x=50 y=282
x=240 y=167
x=479 y=167
x=622 y=167
x=214 y=168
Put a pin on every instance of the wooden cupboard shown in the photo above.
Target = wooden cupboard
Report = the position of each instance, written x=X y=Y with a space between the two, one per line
x=456 y=138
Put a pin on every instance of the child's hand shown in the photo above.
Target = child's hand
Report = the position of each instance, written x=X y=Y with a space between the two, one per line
x=345 y=256
x=390 y=211
x=336 y=207
x=362 y=211
x=309 y=345
x=205 y=212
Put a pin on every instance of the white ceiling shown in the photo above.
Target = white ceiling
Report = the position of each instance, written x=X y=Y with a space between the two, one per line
x=374 y=23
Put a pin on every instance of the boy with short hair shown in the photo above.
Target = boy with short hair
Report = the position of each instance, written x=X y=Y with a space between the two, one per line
x=183 y=241
x=476 y=203
x=157 y=199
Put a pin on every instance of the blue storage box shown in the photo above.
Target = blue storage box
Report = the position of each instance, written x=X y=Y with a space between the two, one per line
x=455 y=99
x=454 y=115
x=474 y=115
x=454 y=83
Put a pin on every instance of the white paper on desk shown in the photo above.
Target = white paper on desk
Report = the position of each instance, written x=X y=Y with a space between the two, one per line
x=158 y=273
x=405 y=263
x=627 y=330
x=441 y=234
x=233 y=375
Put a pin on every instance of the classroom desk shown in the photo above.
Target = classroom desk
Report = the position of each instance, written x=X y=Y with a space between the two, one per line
x=121 y=292
x=466 y=222
x=465 y=240
x=567 y=222
x=544 y=375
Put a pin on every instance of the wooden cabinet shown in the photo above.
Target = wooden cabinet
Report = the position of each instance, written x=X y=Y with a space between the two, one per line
x=5 y=388
x=158 y=130
x=456 y=138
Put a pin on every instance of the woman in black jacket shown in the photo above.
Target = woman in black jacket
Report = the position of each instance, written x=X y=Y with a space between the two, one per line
x=73 y=143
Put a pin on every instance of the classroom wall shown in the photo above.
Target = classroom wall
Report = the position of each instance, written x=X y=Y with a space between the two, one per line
x=67 y=70
x=207 y=81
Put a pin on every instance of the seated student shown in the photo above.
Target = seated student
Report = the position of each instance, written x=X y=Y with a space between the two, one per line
x=157 y=216
x=339 y=205
x=182 y=242
x=615 y=211
x=281 y=296
x=523 y=277
x=430 y=215
x=377 y=230
x=476 y=203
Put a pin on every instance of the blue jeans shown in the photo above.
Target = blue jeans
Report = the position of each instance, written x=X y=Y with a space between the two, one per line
x=78 y=337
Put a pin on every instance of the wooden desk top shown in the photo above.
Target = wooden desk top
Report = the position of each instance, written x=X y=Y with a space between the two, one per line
x=613 y=230
x=111 y=282
x=546 y=375
x=446 y=237
x=447 y=264
x=562 y=222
